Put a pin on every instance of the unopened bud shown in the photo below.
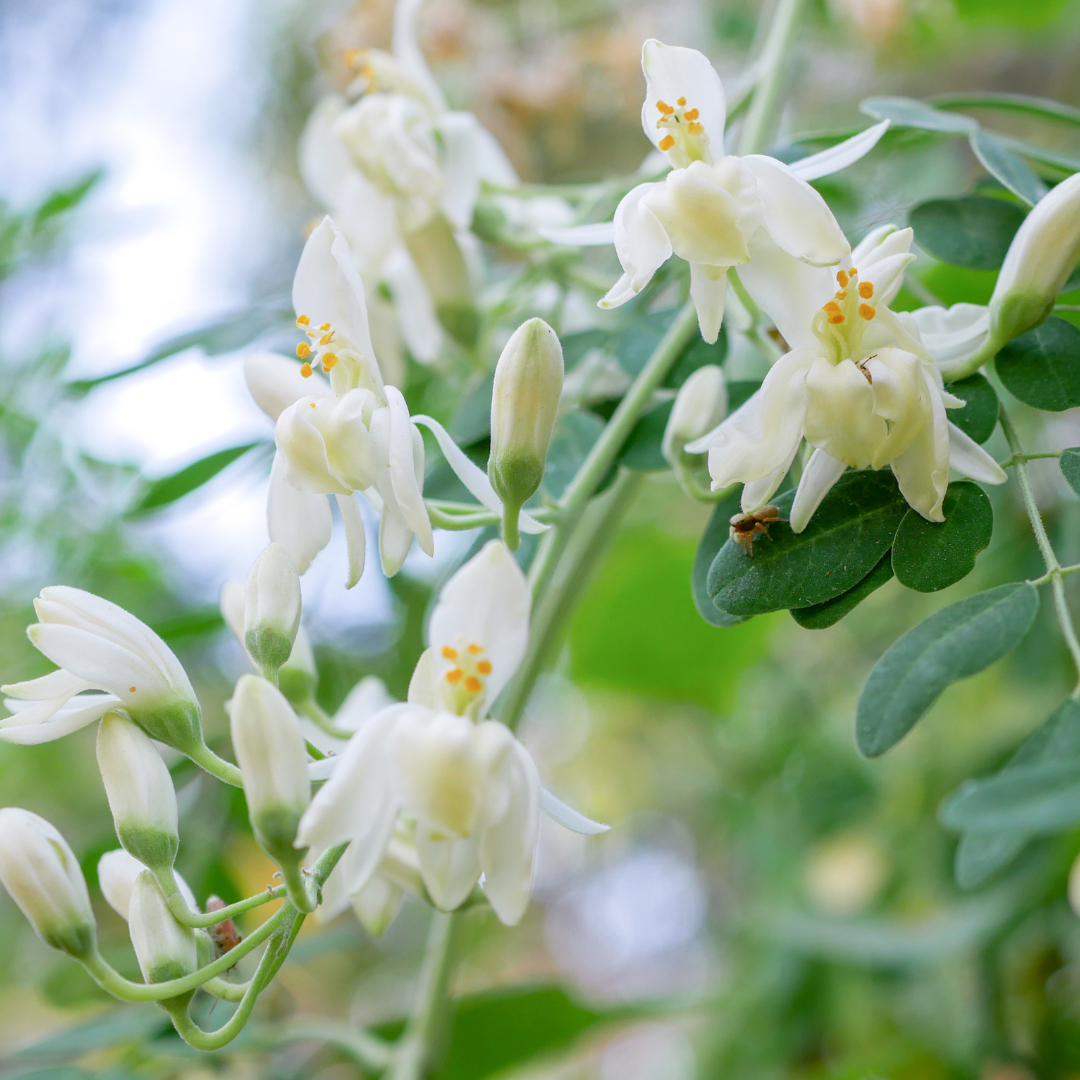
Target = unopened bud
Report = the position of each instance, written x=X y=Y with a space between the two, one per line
x=273 y=761
x=524 y=405
x=140 y=792
x=42 y=875
x=1042 y=254
x=272 y=608
x=117 y=871
x=700 y=405
x=164 y=947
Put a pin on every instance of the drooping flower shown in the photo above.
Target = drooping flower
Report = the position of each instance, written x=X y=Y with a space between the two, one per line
x=108 y=659
x=469 y=786
x=711 y=205
x=860 y=385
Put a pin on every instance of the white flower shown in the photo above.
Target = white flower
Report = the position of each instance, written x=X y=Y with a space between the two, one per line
x=164 y=947
x=711 y=205
x=108 y=659
x=470 y=787
x=859 y=385
x=117 y=871
x=272 y=605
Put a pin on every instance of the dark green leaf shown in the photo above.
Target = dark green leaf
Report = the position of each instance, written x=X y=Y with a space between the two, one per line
x=638 y=341
x=1008 y=168
x=953 y=643
x=573 y=438
x=712 y=540
x=1024 y=103
x=1037 y=799
x=979 y=416
x=909 y=112
x=1042 y=367
x=576 y=346
x=928 y=556
x=641 y=450
x=844 y=541
x=1070 y=467
x=472 y=421
x=697 y=356
x=821 y=616
x=1072 y=284
x=170 y=488
x=973 y=232
x=740 y=391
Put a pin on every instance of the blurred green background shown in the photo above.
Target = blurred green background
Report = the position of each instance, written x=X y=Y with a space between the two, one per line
x=768 y=903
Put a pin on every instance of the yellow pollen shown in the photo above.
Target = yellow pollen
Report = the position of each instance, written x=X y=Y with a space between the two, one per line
x=667 y=142
x=484 y=667
x=695 y=128
x=455 y=675
x=302 y=320
x=832 y=307
x=303 y=350
x=665 y=108
x=842 y=294
x=449 y=653
x=328 y=361
x=867 y=312
x=841 y=279
x=473 y=684
x=852 y=272
x=131 y=689
x=691 y=114
x=313 y=405
x=866 y=289
x=476 y=649
x=836 y=320
x=305 y=370
x=682 y=101
x=325 y=326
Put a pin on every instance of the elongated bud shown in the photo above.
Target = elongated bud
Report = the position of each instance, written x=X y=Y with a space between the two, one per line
x=273 y=761
x=140 y=791
x=117 y=871
x=524 y=405
x=272 y=608
x=42 y=875
x=700 y=405
x=164 y=947
x=1042 y=254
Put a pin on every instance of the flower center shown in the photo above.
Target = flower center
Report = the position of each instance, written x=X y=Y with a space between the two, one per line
x=465 y=680
x=319 y=347
x=684 y=138
x=841 y=323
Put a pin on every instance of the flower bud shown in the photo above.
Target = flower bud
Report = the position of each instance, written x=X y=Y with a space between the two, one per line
x=273 y=761
x=524 y=405
x=140 y=792
x=1042 y=254
x=164 y=947
x=117 y=871
x=42 y=875
x=272 y=608
x=700 y=405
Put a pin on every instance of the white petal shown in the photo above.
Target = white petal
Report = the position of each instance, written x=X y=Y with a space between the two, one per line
x=708 y=287
x=485 y=603
x=299 y=521
x=325 y=164
x=640 y=240
x=321 y=768
x=334 y=898
x=840 y=156
x=756 y=493
x=395 y=539
x=969 y=459
x=407 y=52
x=597 y=234
x=275 y=382
x=568 y=817
x=796 y=216
x=619 y=293
x=365 y=700
x=57 y=684
x=354 y=536
x=881 y=258
x=63 y=721
x=954 y=335
x=671 y=73
x=423 y=686
x=821 y=472
x=376 y=904
x=413 y=306
x=450 y=868
x=462 y=181
x=922 y=471
x=403 y=471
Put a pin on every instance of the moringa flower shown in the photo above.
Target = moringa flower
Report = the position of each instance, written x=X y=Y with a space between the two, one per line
x=711 y=205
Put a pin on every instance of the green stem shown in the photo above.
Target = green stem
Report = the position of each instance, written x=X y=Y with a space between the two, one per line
x=200 y=920
x=762 y=113
x=1063 y=571
x=1030 y=455
x=227 y=991
x=315 y=713
x=1053 y=566
x=414 y=1051
x=206 y=759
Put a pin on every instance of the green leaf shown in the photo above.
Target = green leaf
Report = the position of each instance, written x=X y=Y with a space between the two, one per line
x=576 y=346
x=717 y=533
x=982 y=852
x=472 y=421
x=1024 y=103
x=65 y=199
x=639 y=339
x=821 y=616
x=1070 y=467
x=641 y=450
x=697 y=356
x=909 y=112
x=573 y=438
x=979 y=416
x=956 y=642
x=846 y=538
x=740 y=391
x=1042 y=367
x=1007 y=167
x=1038 y=799
x=168 y=489
x=928 y=555
x=973 y=232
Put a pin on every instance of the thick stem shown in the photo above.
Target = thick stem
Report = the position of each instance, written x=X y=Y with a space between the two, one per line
x=762 y=113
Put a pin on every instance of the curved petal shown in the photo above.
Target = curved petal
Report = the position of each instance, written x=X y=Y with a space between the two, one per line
x=299 y=521
x=821 y=472
x=300 y=437
x=57 y=684
x=796 y=216
x=952 y=335
x=568 y=817
x=275 y=382
x=597 y=234
x=406 y=474
x=77 y=714
x=354 y=536
x=458 y=131
x=840 y=156
x=756 y=493
x=413 y=306
x=407 y=52
x=969 y=459
x=640 y=240
x=450 y=868
x=672 y=72
x=881 y=257
x=376 y=904
x=395 y=539
x=922 y=471
x=708 y=288
x=325 y=164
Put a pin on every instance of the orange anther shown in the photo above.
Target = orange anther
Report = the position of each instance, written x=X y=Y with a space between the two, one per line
x=476 y=649
x=131 y=689
x=667 y=142
x=455 y=675
x=695 y=128
x=665 y=108
x=302 y=320
x=867 y=312
x=325 y=326
x=484 y=667
x=691 y=114
x=328 y=361
x=836 y=320
x=853 y=272
x=841 y=279
x=473 y=685
x=303 y=350
x=866 y=289
x=305 y=370
x=449 y=653
x=842 y=294
x=682 y=101
x=832 y=307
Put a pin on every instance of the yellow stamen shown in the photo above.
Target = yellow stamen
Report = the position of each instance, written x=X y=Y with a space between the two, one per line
x=841 y=279
x=867 y=312
x=667 y=142
x=328 y=361
x=305 y=370
x=302 y=320
x=449 y=653
x=852 y=272
x=325 y=326
x=473 y=684
x=836 y=320
x=476 y=649
x=303 y=350
x=455 y=675
x=665 y=108
x=694 y=128
x=484 y=667
x=832 y=307
x=682 y=101
x=866 y=289
x=131 y=689
x=690 y=114
x=842 y=294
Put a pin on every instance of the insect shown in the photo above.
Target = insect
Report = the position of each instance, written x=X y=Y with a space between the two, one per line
x=224 y=935
x=744 y=527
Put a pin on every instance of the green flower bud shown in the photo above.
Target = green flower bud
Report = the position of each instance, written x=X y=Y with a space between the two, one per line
x=272 y=608
x=524 y=405
x=164 y=947
x=42 y=875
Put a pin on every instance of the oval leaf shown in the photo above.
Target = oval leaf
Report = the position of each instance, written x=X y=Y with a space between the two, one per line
x=844 y=541
x=973 y=232
x=1043 y=798
x=1042 y=367
x=929 y=555
x=821 y=616
x=715 y=536
x=909 y=112
x=1070 y=467
x=1008 y=168
x=979 y=416
x=953 y=643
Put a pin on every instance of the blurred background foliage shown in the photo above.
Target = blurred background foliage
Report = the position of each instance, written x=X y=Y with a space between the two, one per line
x=768 y=904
